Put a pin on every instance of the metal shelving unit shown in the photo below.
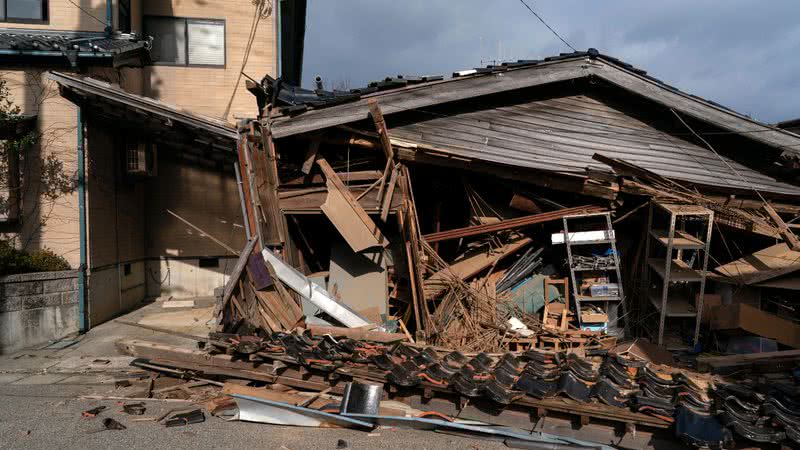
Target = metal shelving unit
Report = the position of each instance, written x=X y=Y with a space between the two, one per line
x=673 y=268
x=610 y=304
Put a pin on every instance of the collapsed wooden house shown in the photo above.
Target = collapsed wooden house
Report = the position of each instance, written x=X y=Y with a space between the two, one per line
x=416 y=198
x=478 y=245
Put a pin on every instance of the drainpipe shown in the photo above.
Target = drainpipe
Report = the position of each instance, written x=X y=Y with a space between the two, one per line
x=83 y=325
x=277 y=13
x=109 y=18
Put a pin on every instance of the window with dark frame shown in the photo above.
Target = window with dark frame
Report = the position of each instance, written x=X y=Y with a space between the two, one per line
x=26 y=11
x=124 y=16
x=186 y=42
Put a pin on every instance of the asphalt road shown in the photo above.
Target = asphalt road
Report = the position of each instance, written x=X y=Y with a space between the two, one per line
x=49 y=417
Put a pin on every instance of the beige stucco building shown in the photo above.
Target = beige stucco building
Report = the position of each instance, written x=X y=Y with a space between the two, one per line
x=185 y=54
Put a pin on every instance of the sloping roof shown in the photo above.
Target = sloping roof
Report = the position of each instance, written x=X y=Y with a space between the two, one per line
x=70 y=47
x=93 y=93
x=526 y=74
x=561 y=134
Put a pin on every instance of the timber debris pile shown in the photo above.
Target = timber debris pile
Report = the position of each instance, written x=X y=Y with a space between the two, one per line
x=417 y=274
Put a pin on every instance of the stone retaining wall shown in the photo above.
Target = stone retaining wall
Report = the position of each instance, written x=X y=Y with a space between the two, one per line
x=36 y=308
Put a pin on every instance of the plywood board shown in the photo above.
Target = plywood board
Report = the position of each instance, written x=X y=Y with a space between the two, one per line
x=755 y=321
x=359 y=280
x=762 y=265
x=347 y=215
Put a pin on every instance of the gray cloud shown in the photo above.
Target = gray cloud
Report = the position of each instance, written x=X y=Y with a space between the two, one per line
x=740 y=53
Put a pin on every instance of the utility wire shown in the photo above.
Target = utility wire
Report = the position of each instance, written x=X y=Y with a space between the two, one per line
x=88 y=13
x=548 y=26
x=720 y=157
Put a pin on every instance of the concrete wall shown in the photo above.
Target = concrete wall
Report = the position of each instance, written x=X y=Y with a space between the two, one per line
x=36 y=308
x=184 y=278
x=209 y=91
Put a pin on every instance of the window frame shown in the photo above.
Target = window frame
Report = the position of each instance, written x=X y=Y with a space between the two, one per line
x=186 y=21
x=45 y=20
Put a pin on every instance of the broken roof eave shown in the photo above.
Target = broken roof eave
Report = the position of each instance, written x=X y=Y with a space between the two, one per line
x=84 y=88
x=428 y=94
x=454 y=89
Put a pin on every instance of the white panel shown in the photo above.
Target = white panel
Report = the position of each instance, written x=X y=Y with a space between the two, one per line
x=206 y=43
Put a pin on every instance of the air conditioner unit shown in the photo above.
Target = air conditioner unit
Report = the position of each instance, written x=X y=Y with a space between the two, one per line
x=140 y=158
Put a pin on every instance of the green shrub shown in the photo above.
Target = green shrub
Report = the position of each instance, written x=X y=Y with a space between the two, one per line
x=13 y=261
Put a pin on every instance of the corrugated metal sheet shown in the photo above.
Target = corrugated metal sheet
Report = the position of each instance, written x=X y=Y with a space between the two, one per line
x=561 y=134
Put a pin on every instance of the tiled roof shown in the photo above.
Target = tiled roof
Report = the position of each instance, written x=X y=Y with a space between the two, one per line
x=19 y=42
x=299 y=98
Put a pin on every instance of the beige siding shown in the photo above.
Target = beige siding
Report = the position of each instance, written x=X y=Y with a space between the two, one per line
x=208 y=198
x=209 y=90
x=51 y=223
x=66 y=16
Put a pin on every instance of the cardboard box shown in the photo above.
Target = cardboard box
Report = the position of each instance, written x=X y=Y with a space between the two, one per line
x=747 y=318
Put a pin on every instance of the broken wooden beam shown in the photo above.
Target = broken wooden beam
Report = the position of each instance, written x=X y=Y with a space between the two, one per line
x=509 y=224
x=788 y=235
x=349 y=218
x=762 y=362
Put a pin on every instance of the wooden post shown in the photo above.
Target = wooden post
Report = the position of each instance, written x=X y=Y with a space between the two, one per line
x=245 y=173
x=266 y=162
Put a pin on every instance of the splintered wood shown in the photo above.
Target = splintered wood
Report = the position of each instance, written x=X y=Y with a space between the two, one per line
x=255 y=300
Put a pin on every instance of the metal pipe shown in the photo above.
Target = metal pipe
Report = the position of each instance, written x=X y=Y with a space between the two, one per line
x=278 y=40
x=241 y=199
x=83 y=325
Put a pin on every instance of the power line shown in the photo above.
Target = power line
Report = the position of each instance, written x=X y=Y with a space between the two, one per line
x=548 y=26
x=88 y=13
x=720 y=157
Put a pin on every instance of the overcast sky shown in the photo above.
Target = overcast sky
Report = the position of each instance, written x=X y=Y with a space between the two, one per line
x=744 y=54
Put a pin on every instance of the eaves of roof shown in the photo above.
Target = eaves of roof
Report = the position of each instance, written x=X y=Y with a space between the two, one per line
x=524 y=74
x=90 y=88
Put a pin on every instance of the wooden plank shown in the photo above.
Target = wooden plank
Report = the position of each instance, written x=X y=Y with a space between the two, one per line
x=347 y=215
x=310 y=201
x=244 y=171
x=274 y=308
x=351 y=177
x=788 y=235
x=741 y=316
x=762 y=265
x=293 y=310
x=236 y=273
x=509 y=224
x=718 y=363
x=387 y=198
x=266 y=172
x=383 y=132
